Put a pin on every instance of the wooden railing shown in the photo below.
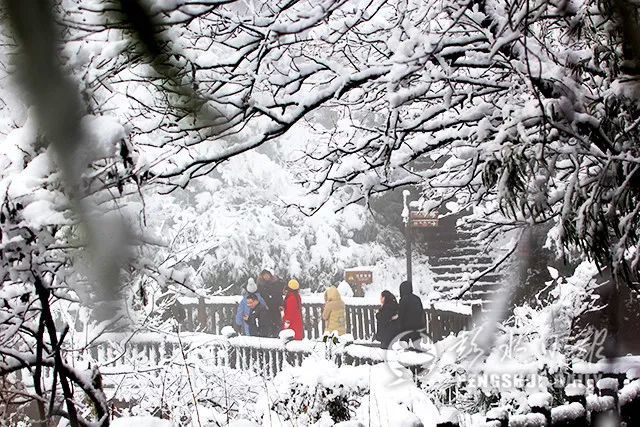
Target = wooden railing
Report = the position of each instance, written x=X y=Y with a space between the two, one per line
x=267 y=355
x=211 y=314
x=264 y=355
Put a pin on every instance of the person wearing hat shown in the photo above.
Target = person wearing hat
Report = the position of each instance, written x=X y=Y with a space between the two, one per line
x=334 y=314
x=292 y=318
x=244 y=311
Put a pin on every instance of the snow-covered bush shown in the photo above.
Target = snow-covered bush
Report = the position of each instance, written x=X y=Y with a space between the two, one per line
x=188 y=389
x=320 y=393
x=315 y=390
x=307 y=405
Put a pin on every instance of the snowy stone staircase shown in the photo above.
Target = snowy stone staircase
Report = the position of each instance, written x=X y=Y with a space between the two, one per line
x=456 y=258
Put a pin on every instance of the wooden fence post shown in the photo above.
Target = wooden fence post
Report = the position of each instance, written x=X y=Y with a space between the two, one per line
x=231 y=357
x=608 y=386
x=178 y=312
x=629 y=399
x=476 y=315
x=540 y=403
x=602 y=410
x=202 y=315
x=576 y=393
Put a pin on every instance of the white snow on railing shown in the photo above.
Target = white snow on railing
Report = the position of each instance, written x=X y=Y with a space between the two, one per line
x=137 y=342
x=373 y=354
x=629 y=392
x=452 y=306
x=540 y=400
x=575 y=389
x=528 y=420
x=600 y=404
x=607 y=384
x=565 y=413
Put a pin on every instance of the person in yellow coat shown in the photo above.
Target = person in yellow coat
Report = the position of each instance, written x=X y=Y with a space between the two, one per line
x=334 y=313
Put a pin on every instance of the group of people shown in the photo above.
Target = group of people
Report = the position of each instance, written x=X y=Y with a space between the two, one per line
x=402 y=320
x=269 y=306
x=263 y=312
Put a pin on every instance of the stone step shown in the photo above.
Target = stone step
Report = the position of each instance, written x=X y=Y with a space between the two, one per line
x=456 y=251
x=446 y=286
x=458 y=260
x=448 y=268
x=477 y=292
x=466 y=276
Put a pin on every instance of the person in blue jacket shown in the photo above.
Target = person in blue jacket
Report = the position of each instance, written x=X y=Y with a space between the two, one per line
x=244 y=311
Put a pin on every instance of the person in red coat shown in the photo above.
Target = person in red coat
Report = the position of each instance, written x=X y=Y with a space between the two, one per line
x=292 y=318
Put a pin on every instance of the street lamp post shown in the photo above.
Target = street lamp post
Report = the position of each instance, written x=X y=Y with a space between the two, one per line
x=414 y=219
x=406 y=218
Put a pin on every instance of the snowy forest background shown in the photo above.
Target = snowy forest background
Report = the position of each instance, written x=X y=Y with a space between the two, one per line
x=157 y=149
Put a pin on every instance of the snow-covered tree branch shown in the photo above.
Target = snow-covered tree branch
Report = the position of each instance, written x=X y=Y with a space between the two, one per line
x=524 y=108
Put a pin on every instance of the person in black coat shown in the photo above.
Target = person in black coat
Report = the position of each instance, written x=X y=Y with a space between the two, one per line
x=410 y=313
x=258 y=318
x=271 y=289
x=387 y=327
